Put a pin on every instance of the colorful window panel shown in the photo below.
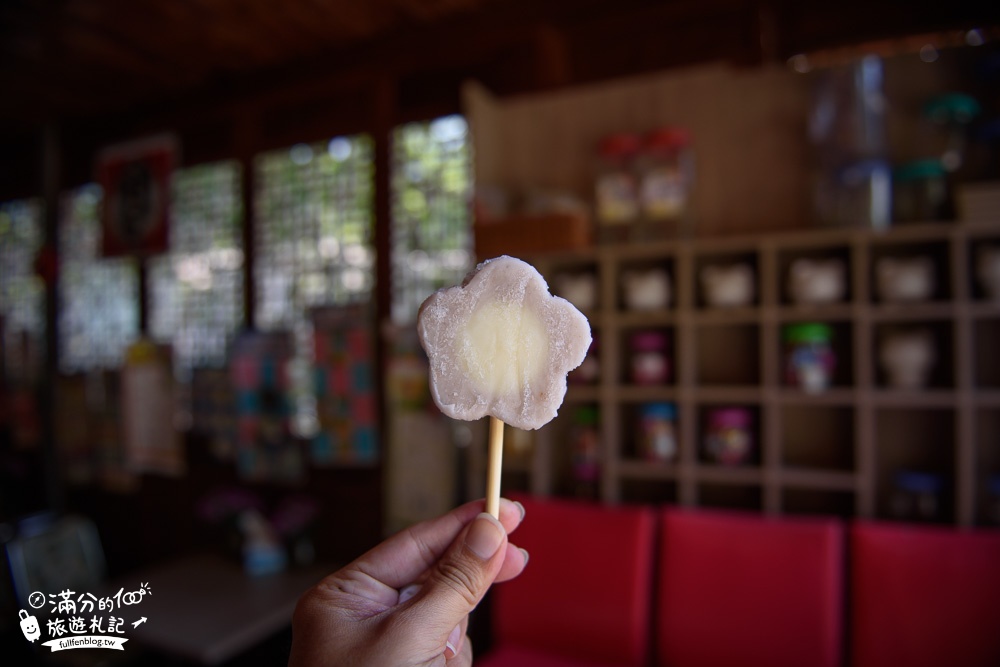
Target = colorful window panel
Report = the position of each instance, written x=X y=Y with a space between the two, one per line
x=22 y=293
x=196 y=290
x=313 y=244
x=99 y=298
x=431 y=216
x=314 y=226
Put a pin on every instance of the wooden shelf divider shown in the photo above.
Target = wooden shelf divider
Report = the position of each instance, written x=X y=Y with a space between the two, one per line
x=857 y=458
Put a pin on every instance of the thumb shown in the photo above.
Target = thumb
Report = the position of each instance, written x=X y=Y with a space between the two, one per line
x=461 y=578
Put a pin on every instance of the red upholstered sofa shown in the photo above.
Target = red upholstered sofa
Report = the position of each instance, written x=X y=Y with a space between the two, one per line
x=586 y=600
x=635 y=586
x=924 y=596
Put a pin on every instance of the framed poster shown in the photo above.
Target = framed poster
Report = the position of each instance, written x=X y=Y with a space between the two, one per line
x=346 y=401
x=135 y=177
x=265 y=449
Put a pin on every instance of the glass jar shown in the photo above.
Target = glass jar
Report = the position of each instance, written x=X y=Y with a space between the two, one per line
x=920 y=192
x=917 y=496
x=857 y=194
x=809 y=357
x=650 y=362
x=729 y=436
x=847 y=130
x=666 y=178
x=586 y=451
x=616 y=193
x=657 y=432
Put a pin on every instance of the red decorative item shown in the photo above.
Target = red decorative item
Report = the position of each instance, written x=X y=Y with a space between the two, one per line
x=136 y=182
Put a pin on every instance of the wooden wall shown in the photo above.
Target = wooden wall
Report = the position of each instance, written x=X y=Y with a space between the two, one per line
x=748 y=127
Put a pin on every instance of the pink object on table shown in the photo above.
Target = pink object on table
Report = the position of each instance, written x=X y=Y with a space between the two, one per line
x=925 y=596
x=747 y=590
x=584 y=599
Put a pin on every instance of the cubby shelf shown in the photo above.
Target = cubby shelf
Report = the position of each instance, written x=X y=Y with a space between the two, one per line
x=837 y=450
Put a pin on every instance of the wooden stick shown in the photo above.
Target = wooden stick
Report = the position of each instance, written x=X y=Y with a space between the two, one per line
x=493 y=467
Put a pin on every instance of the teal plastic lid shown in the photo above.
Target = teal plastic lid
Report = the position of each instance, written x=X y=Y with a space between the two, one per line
x=808 y=332
x=952 y=107
x=918 y=170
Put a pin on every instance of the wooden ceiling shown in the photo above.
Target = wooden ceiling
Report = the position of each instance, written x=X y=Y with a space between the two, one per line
x=103 y=68
x=86 y=56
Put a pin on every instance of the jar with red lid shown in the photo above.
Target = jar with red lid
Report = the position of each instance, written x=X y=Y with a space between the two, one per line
x=616 y=188
x=650 y=357
x=666 y=179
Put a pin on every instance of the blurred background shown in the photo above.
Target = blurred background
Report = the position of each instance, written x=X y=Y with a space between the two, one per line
x=218 y=220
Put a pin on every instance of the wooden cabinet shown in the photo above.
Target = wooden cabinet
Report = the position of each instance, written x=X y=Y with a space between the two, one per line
x=837 y=451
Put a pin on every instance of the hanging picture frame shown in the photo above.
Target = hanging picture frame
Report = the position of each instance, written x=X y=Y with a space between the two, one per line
x=135 y=177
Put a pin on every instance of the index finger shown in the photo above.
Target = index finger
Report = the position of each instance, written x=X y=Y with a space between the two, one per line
x=405 y=556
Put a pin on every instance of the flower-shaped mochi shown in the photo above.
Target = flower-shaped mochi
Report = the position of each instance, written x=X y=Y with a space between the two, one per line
x=501 y=345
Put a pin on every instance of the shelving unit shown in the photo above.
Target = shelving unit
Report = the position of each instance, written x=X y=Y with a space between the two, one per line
x=830 y=452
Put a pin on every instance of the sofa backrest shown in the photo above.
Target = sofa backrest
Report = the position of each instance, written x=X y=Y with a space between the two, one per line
x=749 y=590
x=586 y=592
x=924 y=596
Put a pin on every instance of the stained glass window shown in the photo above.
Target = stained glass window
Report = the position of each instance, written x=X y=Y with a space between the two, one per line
x=431 y=217
x=313 y=246
x=314 y=206
x=22 y=293
x=196 y=290
x=99 y=298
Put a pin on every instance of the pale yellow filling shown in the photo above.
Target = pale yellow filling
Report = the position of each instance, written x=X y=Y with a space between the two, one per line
x=503 y=347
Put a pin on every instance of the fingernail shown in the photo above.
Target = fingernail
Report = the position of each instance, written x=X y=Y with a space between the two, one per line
x=484 y=536
x=408 y=592
x=526 y=554
x=451 y=646
x=520 y=507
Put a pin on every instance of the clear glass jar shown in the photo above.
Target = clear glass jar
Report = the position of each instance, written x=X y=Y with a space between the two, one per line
x=616 y=193
x=920 y=192
x=650 y=362
x=852 y=182
x=657 y=432
x=666 y=178
x=809 y=357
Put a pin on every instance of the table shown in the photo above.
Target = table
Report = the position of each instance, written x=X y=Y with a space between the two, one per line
x=204 y=608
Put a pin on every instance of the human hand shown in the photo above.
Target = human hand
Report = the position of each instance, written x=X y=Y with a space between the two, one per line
x=406 y=603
